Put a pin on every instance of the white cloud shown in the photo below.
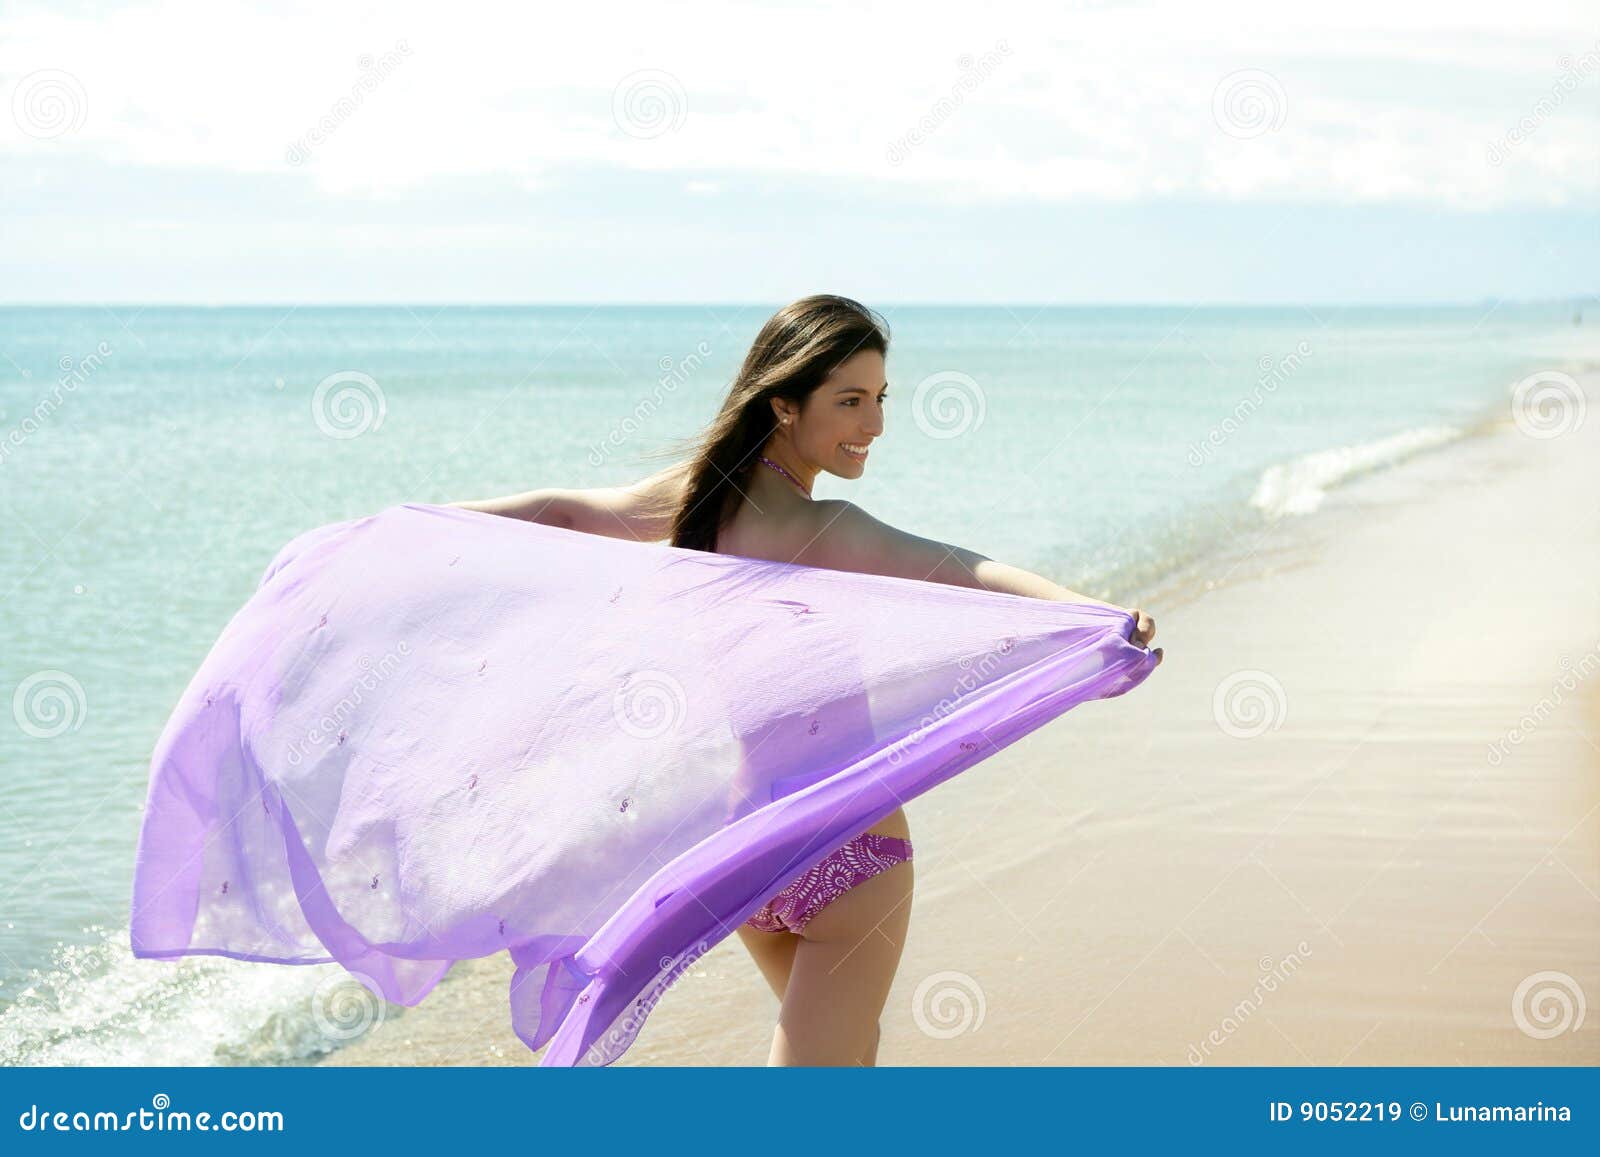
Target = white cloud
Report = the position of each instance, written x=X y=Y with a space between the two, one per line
x=1379 y=101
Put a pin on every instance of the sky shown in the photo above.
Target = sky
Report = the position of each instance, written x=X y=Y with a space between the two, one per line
x=1221 y=153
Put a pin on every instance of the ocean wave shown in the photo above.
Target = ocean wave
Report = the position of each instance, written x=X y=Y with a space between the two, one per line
x=1299 y=485
x=96 y=1004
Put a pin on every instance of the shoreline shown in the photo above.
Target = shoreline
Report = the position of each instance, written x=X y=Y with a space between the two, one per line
x=1345 y=878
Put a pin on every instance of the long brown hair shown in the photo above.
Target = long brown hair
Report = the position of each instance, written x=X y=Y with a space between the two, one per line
x=794 y=353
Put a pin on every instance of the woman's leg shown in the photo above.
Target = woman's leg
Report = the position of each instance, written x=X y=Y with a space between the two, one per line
x=773 y=953
x=843 y=967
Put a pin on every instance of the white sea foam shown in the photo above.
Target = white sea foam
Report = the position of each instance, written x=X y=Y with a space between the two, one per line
x=1299 y=485
x=96 y=1004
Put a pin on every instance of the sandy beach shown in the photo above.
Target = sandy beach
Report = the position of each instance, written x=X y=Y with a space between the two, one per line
x=1353 y=820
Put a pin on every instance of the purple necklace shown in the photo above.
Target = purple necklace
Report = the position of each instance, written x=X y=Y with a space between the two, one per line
x=785 y=473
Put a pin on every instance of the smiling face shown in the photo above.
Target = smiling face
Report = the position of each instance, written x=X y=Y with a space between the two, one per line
x=842 y=416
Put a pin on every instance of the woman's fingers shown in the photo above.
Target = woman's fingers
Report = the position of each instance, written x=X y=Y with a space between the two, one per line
x=1144 y=628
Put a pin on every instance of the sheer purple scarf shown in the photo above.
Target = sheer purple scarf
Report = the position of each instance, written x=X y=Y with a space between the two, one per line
x=433 y=734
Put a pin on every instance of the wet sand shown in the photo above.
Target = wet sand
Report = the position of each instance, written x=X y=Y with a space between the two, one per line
x=1353 y=819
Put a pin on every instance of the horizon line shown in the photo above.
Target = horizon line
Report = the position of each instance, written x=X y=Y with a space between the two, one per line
x=1459 y=303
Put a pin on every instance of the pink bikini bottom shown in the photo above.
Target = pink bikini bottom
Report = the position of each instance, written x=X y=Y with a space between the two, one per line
x=860 y=859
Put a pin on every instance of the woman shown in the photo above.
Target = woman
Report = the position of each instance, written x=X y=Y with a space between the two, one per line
x=809 y=398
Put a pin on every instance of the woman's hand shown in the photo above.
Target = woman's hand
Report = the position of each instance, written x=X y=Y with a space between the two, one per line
x=1144 y=629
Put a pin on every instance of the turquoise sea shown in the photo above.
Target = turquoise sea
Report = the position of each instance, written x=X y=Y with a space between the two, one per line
x=153 y=460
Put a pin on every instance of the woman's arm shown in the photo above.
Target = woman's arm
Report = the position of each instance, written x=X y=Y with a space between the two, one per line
x=642 y=511
x=849 y=538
